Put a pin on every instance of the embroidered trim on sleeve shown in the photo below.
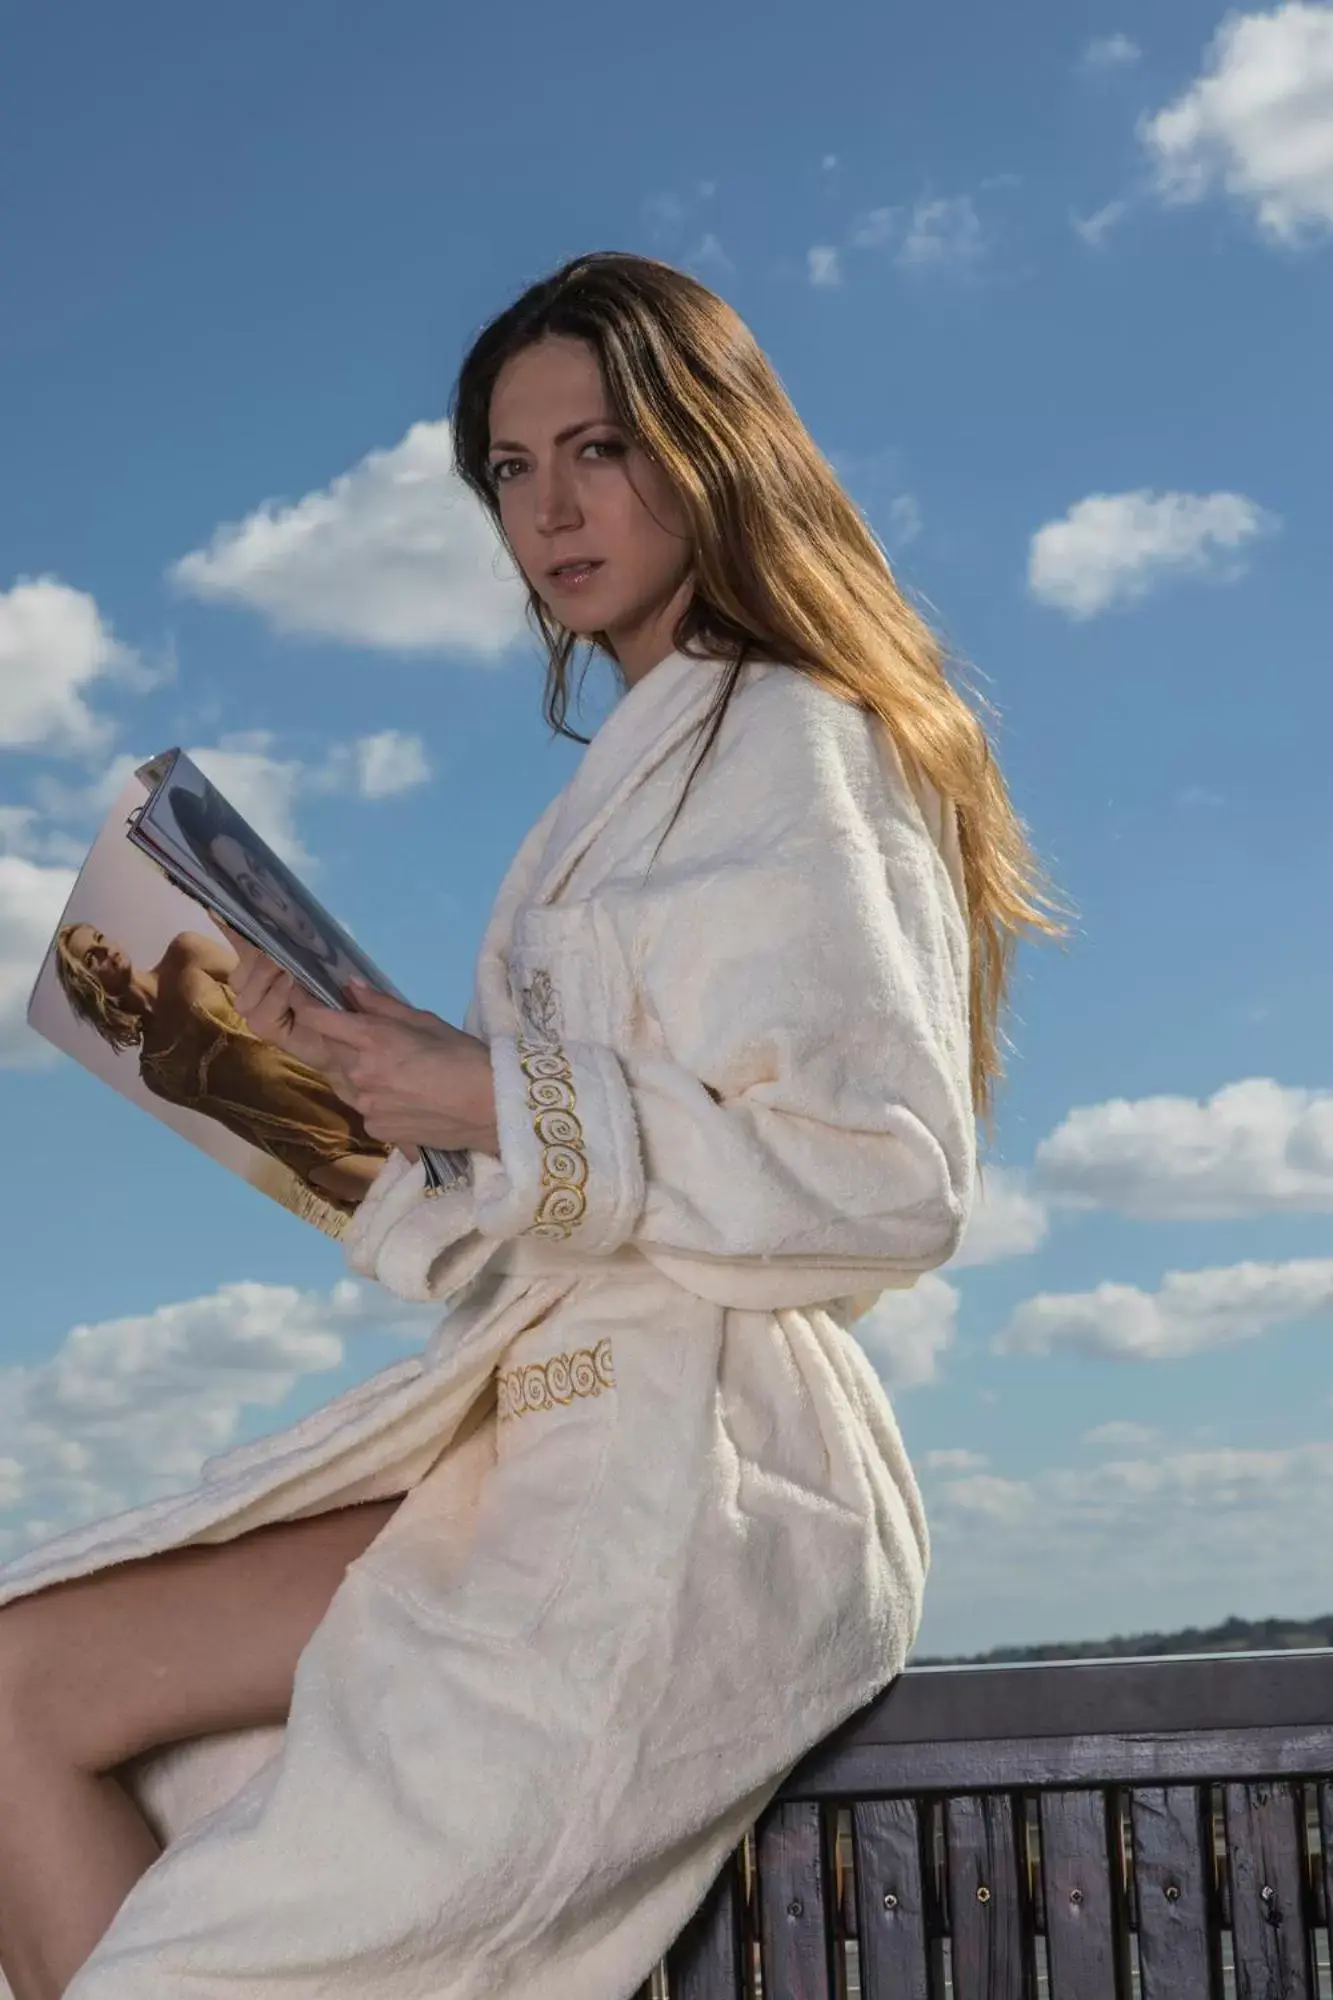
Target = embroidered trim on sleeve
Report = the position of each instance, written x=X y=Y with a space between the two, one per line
x=553 y=1104
x=542 y=1385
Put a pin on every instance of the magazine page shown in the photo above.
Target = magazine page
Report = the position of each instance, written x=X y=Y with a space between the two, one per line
x=134 y=987
x=192 y=831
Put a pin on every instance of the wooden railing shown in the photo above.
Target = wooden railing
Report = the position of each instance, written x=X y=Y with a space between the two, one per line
x=1093 y=1830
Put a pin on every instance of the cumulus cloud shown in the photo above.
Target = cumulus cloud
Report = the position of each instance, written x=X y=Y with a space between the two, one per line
x=1191 y=1313
x=127 y=1409
x=943 y=234
x=1094 y=229
x=32 y=896
x=1253 y=1148
x=396 y=554
x=55 y=649
x=709 y=259
x=824 y=265
x=874 y=229
x=389 y=763
x=1107 y=52
x=953 y=1460
x=906 y=1333
x=1119 y=1435
x=1145 y=1541
x=1257 y=122
x=1111 y=549
x=1007 y=1220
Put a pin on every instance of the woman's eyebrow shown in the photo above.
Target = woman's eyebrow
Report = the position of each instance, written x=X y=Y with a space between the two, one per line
x=561 y=437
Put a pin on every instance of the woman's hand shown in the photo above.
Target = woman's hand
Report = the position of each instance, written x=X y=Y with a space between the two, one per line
x=415 y=1080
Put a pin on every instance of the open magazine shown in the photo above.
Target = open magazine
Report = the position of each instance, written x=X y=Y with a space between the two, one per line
x=135 y=987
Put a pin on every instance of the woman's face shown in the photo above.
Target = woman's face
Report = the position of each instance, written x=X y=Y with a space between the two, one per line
x=257 y=887
x=109 y=965
x=594 y=523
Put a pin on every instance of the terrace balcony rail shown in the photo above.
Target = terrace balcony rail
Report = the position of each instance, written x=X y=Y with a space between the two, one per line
x=1157 y=1829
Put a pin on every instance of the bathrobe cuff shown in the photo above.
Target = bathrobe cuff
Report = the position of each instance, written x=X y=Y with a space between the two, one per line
x=418 y=1246
x=570 y=1167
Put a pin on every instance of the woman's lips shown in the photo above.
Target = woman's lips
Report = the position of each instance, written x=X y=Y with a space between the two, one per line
x=574 y=577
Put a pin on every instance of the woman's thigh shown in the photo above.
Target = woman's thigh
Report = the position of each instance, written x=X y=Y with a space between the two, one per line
x=175 y=1645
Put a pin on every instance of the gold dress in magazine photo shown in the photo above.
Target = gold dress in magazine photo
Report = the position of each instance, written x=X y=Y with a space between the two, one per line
x=135 y=986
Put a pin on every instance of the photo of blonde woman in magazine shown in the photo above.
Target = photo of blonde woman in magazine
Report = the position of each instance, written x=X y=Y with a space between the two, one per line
x=195 y=1050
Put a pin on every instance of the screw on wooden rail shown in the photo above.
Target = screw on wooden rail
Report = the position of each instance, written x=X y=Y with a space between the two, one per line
x=1171 y=1892
x=890 y=1900
x=983 y=1894
x=1076 y=1895
x=795 y=1907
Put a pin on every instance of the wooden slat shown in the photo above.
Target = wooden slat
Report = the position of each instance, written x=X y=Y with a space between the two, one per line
x=990 y=1958
x=1326 y=1842
x=890 y=1900
x=1265 y=1847
x=1086 y=1939
x=795 y=1905
x=1028 y=1763
x=707 y=1960
x=1172 y=1872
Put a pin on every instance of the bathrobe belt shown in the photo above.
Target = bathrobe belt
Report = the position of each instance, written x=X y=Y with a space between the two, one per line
x=770 y=1284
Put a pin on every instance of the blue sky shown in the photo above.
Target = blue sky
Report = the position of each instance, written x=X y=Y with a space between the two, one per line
x=1047 y=286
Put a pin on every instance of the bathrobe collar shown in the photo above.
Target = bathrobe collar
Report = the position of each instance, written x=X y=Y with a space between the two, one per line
x=646 y=725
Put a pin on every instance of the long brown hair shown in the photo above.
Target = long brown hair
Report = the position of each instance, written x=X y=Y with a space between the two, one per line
x=785 y=569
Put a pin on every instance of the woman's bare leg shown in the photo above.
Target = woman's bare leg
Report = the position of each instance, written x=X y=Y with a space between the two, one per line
x=94 y=1671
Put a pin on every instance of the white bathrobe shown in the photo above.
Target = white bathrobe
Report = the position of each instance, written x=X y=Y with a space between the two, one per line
x=660 y=1534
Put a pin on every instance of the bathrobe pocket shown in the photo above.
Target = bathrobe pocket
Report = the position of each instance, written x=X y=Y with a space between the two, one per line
x=568 y=974
x=556 y=1418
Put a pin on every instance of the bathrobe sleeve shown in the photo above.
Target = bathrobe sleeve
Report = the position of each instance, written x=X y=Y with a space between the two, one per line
x=794 y=1120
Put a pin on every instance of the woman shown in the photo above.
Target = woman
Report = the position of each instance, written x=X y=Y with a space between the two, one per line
x=197 y=1051
x=232 y=855
x=569 y=1595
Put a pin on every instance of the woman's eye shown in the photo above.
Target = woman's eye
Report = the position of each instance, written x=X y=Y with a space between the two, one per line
x=611 y=446
x=500 y=469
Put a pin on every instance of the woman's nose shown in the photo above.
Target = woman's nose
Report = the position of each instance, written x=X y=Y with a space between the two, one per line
x=557 y=501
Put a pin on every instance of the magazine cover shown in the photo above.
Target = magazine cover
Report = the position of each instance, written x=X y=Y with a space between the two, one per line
x=135 y=986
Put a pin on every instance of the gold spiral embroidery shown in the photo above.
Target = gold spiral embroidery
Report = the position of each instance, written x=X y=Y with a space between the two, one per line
x=547 y=1385
x=552 y=1102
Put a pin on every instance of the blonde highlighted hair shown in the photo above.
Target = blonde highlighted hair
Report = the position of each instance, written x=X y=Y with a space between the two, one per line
x=89 y=999
x=785 y=567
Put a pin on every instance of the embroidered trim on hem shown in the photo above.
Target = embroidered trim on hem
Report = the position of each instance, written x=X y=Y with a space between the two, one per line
x=544 y=1385
x=553 y=1104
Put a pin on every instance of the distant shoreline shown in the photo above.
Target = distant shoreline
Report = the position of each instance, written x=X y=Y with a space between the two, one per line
x=1234 y=1635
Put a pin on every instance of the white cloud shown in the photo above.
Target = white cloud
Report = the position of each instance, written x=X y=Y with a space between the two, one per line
x=1255 y=1147
x=824 y=264
x=389 y=763
x=1113 y=548
x=953 y=1460
x=1149 y=1541
x=874 y=229
x=1193 y=1312
x=1257 y=122
x=395 y=553
x=906 y=1333
x=904 y=519
x=1094 y=229
x=55 y=647
x=129 y=1408
x=943 y=234
x=1119 y=1435
x=709 y=257
x=1107 y=52
x=1007 y=1220
x=31 y=899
